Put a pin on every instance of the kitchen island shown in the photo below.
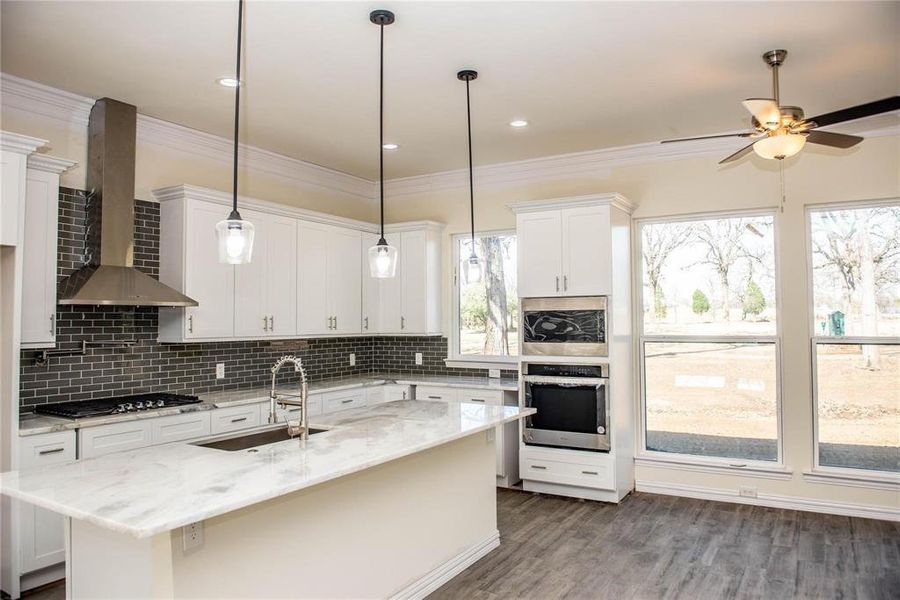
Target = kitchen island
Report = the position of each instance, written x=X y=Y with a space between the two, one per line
x=391 y=500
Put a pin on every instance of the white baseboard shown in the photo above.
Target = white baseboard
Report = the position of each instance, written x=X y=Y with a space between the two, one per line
x=848 y=509
x=446 y=571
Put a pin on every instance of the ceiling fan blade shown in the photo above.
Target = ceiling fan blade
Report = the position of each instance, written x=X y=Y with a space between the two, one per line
x=858 y=112
x=710 y=137
x=835 y=140
x=739 y=154
x=764 y=110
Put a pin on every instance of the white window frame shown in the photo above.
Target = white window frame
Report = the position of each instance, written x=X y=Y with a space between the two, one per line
x=753 y=468
x=470 y=361
x=883 y=480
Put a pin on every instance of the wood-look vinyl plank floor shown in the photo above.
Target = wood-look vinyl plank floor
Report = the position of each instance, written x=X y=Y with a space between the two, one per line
x=660 y=547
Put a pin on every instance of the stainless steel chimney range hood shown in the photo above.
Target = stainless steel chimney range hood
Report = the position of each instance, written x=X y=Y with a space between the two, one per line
x=109 y=277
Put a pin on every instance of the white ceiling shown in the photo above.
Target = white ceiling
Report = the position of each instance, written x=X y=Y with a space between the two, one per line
x=586 y=75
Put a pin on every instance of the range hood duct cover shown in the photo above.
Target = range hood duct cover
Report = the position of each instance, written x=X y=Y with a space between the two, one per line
x=109 y=276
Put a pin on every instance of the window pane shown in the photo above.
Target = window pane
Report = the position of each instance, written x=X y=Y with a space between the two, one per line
x=712 y=399
x=856 y=271
x=709 y=277
x=489 y=309
x=858 y=392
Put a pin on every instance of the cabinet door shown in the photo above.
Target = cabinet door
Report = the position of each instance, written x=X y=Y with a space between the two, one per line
x=42 y=534
x=414 y=282
x=345 y=280
x=586 y=251
x=391 y=309
x=116 y=437
x=539 y=254
x=281 y=275
x=207 y=281
x=370 y=289
x=39 y=258
x=177 y=428
x=250 y=315
x=312 y=279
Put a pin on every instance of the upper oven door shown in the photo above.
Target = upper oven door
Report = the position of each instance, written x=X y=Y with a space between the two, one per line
x=573 y=326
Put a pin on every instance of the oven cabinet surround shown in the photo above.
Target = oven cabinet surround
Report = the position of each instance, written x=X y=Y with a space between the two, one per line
x=39 y=249
x=507 y=436
x=565 y=245
x=586 y=241
x=424 y=469
x=309 y=275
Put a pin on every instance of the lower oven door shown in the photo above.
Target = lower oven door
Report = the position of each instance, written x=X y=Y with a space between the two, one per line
x=572 y=412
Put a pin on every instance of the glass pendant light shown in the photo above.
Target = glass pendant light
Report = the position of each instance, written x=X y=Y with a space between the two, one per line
x=382 y=256
x=780 y=144
x=235 y=235
x=471 y=267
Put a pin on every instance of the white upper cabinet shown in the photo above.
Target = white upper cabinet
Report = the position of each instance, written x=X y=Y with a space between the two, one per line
x=565 y=246
x=14 y=150
x=371 y=295
x=309 y=273
x=39 y=250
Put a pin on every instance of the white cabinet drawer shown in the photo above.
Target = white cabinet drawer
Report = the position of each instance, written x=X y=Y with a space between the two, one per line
x=396 y=391
x=117 y=437
x=600 y=474
x=376 y=395
x=336 y=401
x=176 y=428
x=46 y=449
x=428 y=392
x=492 y=397
x=314 y=406
x=235 y=418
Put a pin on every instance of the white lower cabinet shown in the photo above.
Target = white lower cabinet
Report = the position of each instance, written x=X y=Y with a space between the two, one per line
x=395 y=391
x=343 y=400
x=42 y=534
x=177 y=428
x=235 y=418
x=596 y=470
x=116 y=437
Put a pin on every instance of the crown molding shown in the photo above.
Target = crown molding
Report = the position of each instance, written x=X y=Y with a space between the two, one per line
x=21 y=144
x=611 y=199
x=50 y=164
x=74 y=111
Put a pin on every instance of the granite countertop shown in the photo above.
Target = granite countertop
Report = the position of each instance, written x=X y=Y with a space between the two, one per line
x=184 y=484
x=34 y=424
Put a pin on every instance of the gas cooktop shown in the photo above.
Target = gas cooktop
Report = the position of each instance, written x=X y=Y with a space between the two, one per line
x=115 y=405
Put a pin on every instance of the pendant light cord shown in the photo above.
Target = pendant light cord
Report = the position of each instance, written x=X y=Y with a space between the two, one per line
x=381 y=128
x=237 y=110
x=471 y=180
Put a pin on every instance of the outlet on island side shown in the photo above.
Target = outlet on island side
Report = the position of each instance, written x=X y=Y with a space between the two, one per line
x=220 y=370
x=352 y=360
x=418 y=358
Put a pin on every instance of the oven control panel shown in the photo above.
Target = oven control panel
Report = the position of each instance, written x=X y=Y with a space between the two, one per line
x=557 y=370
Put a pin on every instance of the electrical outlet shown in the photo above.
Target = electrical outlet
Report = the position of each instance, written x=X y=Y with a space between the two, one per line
x=352 y=360
x=747 y=492
x=494 y=373
x=418 y=358
x=220 y=370
x=192 y=535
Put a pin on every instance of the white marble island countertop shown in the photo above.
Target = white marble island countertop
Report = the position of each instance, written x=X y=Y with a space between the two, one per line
x=143 y=493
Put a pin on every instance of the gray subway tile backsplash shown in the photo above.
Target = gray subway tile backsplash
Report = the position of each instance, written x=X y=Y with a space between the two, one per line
x=187 y=368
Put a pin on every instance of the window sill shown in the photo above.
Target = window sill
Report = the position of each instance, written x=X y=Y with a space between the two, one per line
x=508 y=364
x=746 y=469
x=851 y=478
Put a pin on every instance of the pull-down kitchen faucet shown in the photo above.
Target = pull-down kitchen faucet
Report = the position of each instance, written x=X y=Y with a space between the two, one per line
x=294 y=428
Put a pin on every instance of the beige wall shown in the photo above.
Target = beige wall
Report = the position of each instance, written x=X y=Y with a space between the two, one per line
x=160 y=166
x=694 y=185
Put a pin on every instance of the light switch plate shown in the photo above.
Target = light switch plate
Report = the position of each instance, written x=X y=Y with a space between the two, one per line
x=494 y=373
x=418 y=358
x=192 y=535
x=220 y=370
x=352 y=360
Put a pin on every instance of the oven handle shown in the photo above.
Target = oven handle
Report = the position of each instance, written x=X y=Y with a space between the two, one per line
x=567 y=381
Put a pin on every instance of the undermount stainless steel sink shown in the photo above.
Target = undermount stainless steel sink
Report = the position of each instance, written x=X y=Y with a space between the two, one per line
x=249 y=441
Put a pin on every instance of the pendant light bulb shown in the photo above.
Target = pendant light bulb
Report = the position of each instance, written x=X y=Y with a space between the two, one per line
x=234 y=234
x=382 y=256
x=472 y=267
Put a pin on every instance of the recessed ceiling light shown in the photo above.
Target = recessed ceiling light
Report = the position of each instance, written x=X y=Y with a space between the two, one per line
x=228 y=82
x=391 y=146
x=518 y=123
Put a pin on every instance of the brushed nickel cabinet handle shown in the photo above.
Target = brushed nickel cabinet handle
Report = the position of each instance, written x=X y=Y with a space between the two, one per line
x=565 y=282
x=477 y=399
x=239 y=419
x=272 y=323
x=347 y=401
x=590 y=472
x=335 y=321
x=366 y=323
x=402 y=322
x=52 y=330
x=265 y=323
x=543 y=468
x=557 y=283
x=53 y=451
x=190 y=323
x=434 y=397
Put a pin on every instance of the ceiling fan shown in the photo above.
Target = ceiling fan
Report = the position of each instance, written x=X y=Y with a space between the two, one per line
x=782 y=131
